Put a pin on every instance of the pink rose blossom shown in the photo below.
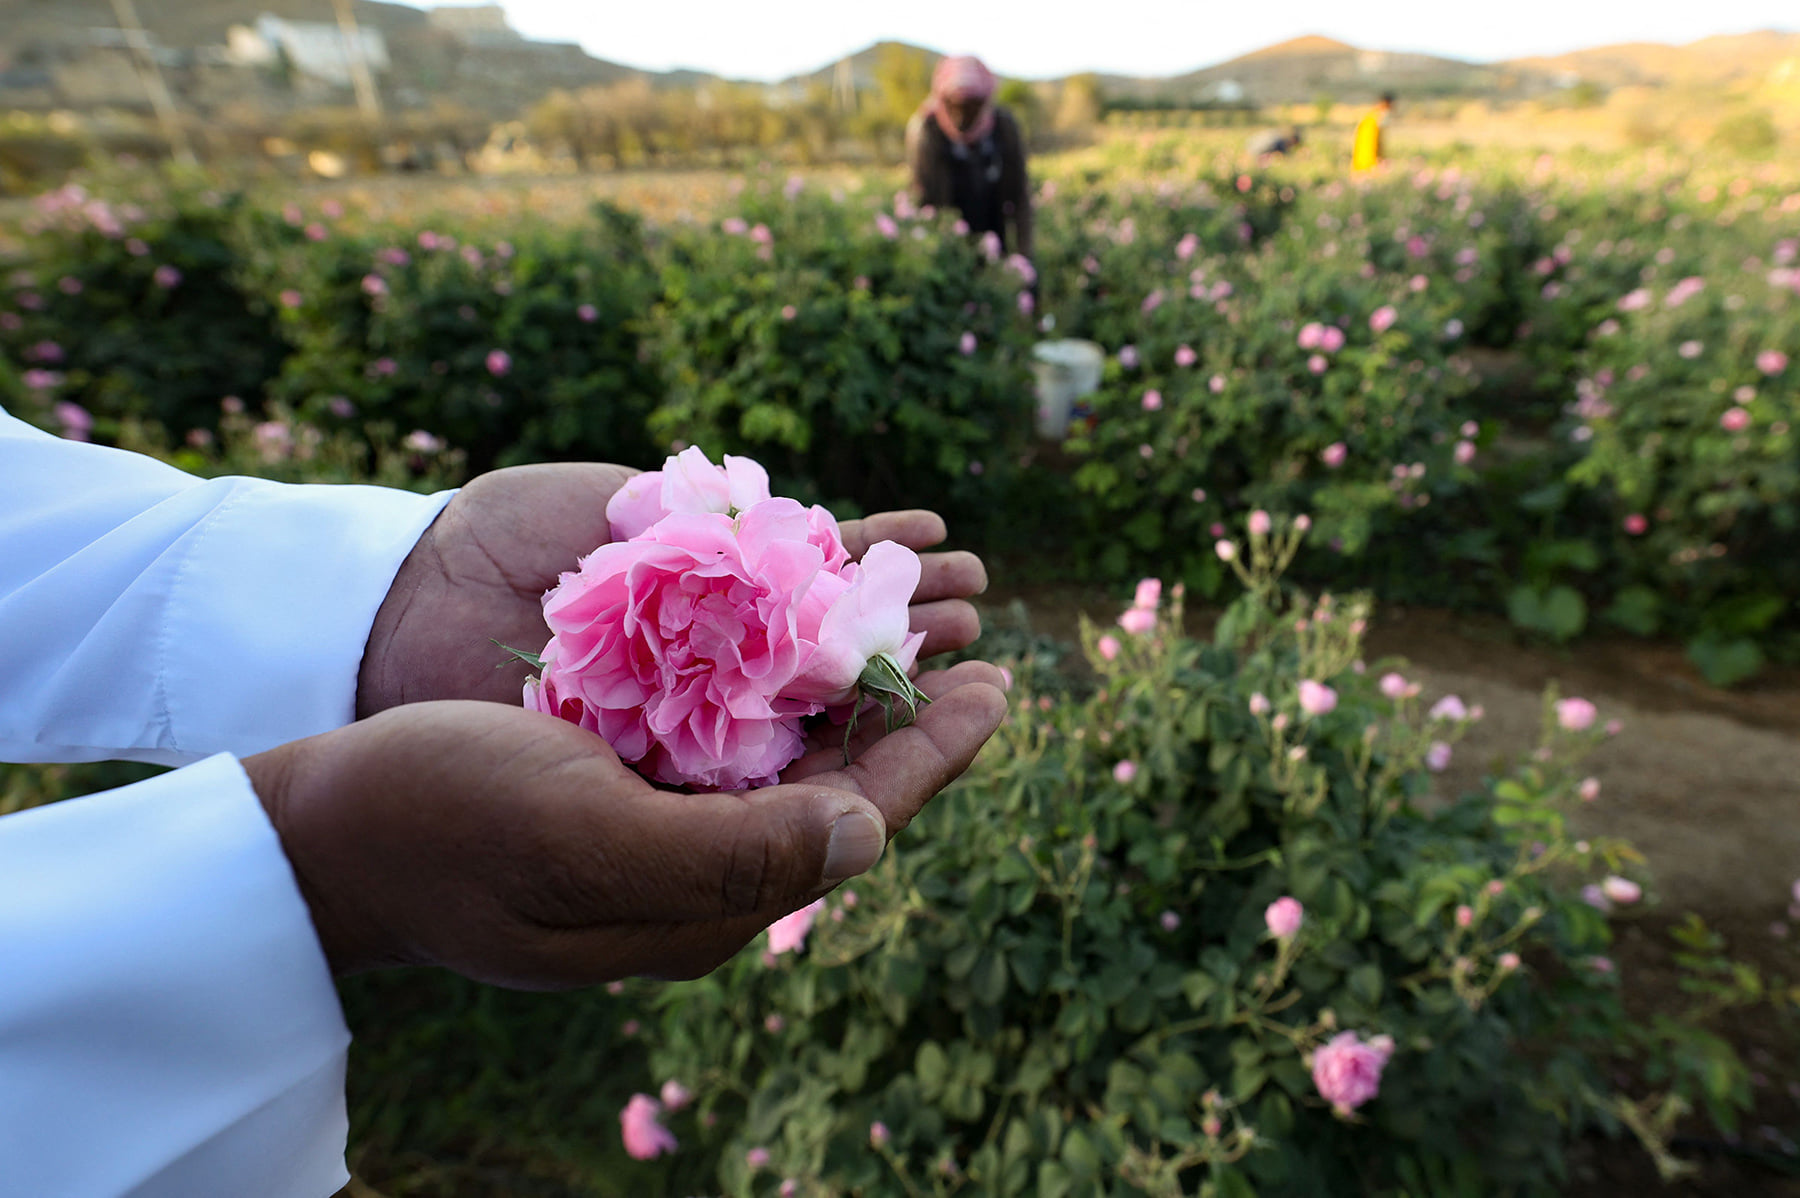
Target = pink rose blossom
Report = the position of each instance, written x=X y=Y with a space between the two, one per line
x=587 y=313
x=1575 y=715
x=645 y=1138
x=167 y=277
x=77 y=423
x=1382 y=319
x=1600 y=964
x=878 y=1134
x=1621 y=890
x=1735 y=420
x=1393 y=686
x=1259 y=704
x=1124 y=772
x=1464 y=452
x=966 y=345
x=1152 y=401
x=1690 y=349
x=1347 y=1071
x=1185 y=357
x=1589 y=790
x=1283 y=917
x=1771 y=361
x=1225 y=549
x=756 y=1158
x=1465 y=916
x=1108 y=646
x=1148 y=594
x=1333 y=455
x=788 y=934
x=1437 y=757
x=1316 y=698
x=1128 y=357
x=885 y=225
x=675 y=1095
x=1137 y=621
x=1318 y=364
x=1635 y=524
x=1259 y=523
x=1312 y=335
x=1332 y=339
x=290 y=298
x=1169 y=921
x=1450 y=707
x=499 y=363
x=1507 y=962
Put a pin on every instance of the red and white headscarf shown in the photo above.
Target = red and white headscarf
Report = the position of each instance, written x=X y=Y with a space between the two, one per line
x=963 y=78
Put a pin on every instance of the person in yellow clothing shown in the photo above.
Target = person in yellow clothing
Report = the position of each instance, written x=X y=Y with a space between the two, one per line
x=1366 y=153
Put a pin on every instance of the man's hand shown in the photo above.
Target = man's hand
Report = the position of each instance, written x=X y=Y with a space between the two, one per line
x=515 y=848
x=479 y=574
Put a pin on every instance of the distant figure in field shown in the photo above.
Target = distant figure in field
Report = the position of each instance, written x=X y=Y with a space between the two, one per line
x=1273 y=143
x=965 y=152
x=1366 y=153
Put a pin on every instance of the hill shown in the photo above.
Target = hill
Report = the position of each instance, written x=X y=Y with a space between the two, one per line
x=1714 y=60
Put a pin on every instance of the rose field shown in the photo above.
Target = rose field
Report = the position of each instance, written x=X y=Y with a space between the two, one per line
x=1402 y=791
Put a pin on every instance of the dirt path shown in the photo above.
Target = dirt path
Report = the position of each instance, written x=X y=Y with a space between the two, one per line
x=1705 y=783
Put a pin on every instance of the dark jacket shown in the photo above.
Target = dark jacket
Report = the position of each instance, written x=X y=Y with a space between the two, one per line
x=986 y=182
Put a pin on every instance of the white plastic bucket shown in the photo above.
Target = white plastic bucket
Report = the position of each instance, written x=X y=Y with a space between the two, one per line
x=1066 y=370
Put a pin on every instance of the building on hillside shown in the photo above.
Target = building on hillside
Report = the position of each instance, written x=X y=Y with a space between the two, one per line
x=312 y=50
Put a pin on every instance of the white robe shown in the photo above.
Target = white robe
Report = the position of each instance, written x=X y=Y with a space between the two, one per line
x=168 y=1024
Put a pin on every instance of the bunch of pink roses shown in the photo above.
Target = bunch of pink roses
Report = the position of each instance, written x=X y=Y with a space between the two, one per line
x=717 y=621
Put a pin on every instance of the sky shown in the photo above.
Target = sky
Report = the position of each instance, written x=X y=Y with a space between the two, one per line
x=778 y=38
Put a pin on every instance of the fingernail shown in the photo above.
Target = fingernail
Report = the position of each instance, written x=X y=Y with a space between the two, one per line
x=857 y=839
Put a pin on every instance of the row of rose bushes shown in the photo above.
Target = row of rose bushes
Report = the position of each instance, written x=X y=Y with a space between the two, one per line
x=1643 y=477
x=1272 y=340
x=1209 y=923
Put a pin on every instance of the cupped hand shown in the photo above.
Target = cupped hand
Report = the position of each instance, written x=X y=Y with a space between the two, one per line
x=479 y=574
x=515 y=848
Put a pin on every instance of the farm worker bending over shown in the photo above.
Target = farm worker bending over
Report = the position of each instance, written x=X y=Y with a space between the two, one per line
x=360 y=788
x=966 y=153
x=1365 y=155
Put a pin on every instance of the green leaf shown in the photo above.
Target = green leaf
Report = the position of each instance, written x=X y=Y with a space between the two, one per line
x=932 y=1067
x=1079 y=1155
x=1638 y=610
x=1725 y=661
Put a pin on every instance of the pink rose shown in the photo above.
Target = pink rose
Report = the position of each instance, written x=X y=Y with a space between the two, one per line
x=1316 y=698
x=499 y=363
x=675 y=1095
x=1437 y=757
x=861 y=618
x=1575 y=715
x=1312 y=335
x=1735 y=420
x=1137 y=621
x=169 y=277
x=689 y=483
x=645 y=1138
x=884 y=224
x=1128 y=357
x=1635 y=524
x=1589 y=790
x=1771 y=361
x=1318 y=364
x=1393 y=686
x=1621 y=890
x=878 y=1134
x=1347 y=1070
x=1507 y=962
x=788 y=934
x=1464 y=452
x=1465 y=916
x=1148 y=595
x=1152 y=401
x=1260 y=523
x=676 y=648
x=1450 y=707
x=1124 y=772
x=1284 y=916
x=1333 y=455
x=1108 y=646
x=967 y=345
x=1225 y=549
x=1259 y=704
x=1185 y=357
x=77 y=423
x=1331 y=339
x=1382 y=319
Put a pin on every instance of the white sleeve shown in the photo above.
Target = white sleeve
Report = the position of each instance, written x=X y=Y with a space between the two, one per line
x=168 y=1025
x=151 y=615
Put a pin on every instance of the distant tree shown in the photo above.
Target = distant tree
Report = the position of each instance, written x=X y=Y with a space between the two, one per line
x=1750 y=134
x=902 y=81
x=1323 y=102
x=1078 y=108
x=1022 y=99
